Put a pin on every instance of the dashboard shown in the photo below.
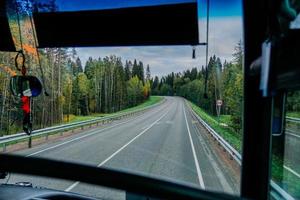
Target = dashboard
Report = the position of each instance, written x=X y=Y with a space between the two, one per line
x=25 y=191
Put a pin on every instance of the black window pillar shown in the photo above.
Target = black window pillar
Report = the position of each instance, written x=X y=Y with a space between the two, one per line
x=257 y=110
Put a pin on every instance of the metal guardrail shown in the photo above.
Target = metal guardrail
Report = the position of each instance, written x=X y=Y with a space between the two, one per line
x=276 y=191
x=293 y=119
x=234 y=153
x=293 y=131
x=5 y=140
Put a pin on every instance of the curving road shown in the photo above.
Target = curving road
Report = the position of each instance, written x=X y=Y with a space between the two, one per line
x=164 y=142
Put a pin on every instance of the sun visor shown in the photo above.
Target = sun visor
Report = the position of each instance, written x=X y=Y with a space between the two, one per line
x=116 y=23
x=6 y=41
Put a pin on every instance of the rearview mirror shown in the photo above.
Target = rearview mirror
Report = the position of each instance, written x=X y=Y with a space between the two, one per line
x=29 y=86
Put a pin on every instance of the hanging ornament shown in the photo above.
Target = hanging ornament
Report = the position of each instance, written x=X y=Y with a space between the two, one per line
x=194 y=52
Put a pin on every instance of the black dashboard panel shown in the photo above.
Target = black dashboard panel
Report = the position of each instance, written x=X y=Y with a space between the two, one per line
x=6 y=41
x=131 y=183
x=15 y=192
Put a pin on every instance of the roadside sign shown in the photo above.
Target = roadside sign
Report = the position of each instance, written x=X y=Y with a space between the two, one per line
x=218 y=108
x=219 y=102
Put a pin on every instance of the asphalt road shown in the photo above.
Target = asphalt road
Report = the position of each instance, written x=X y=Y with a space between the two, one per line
x=163 y=142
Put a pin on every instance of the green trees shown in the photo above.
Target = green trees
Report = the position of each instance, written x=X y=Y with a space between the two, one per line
x=154 y=86
x=225 y=82
x=135 y=91
x=127 y=70
x=82 y=90
x=67 y=92
x=138 y=70
x=293 y=103
x=112 y=86
x=100 y=86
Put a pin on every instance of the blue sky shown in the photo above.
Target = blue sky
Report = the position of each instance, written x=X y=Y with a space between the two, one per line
x=219 y=8
x=225 y=32
x=71 y=5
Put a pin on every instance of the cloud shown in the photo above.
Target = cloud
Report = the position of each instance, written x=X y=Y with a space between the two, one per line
x=224 y=34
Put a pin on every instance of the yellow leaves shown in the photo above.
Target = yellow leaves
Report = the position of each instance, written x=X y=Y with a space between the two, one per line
x=92 y=104
x=71 y=117
x=82 y=83
x=8 y=70
x=30 y=49
x=61 y=100
x=146 y=89
x=26 y=35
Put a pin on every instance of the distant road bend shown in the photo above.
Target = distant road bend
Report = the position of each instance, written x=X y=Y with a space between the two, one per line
x=162 y=142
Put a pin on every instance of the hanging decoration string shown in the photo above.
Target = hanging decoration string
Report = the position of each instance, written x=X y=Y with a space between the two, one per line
x=19 y=24
x=23 y=69
x=206 y=56
x=26 y=101
x=37 y=53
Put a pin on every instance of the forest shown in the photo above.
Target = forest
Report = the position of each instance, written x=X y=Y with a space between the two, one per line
x=103 y=85
x=224 y=81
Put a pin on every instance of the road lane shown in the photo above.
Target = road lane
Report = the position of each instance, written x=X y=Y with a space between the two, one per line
x=119 y=150
x=162 y=142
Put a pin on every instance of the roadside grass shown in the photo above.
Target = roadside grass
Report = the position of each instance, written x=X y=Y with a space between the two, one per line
x=225 y=119
x=227 y=133
x=151 y=101
x=293 y=114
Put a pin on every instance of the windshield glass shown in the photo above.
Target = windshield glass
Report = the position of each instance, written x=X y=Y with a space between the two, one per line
x=151 y=110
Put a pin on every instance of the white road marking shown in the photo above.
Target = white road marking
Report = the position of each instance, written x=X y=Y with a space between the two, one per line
x=214 y=164
x=119 y=150
x=87 y=135
x=72 y=186
x=200 y=178
x=72 y=140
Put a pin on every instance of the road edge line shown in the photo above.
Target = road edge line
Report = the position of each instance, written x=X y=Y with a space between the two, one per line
x=200 y=177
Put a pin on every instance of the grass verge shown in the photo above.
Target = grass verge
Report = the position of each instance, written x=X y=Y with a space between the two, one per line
x=230 y=136
x=293 y=114
x=151 y=101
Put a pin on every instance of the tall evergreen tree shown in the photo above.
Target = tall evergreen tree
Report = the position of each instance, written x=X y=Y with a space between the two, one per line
x=141 y=72
x=135 y=69
x=128 y=66
x=148 y=74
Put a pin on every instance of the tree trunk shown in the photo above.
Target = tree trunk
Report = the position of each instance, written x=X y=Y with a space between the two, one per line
x=3 y=104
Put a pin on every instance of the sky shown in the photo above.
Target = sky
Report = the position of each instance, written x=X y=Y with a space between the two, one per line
x=72 y=5
x=224 y=33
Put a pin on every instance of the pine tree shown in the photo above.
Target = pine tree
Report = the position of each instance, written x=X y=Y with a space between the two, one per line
x=148 y=74
x=135 y=69
x=127 y=69
x=79 y=65
x=140 y=74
